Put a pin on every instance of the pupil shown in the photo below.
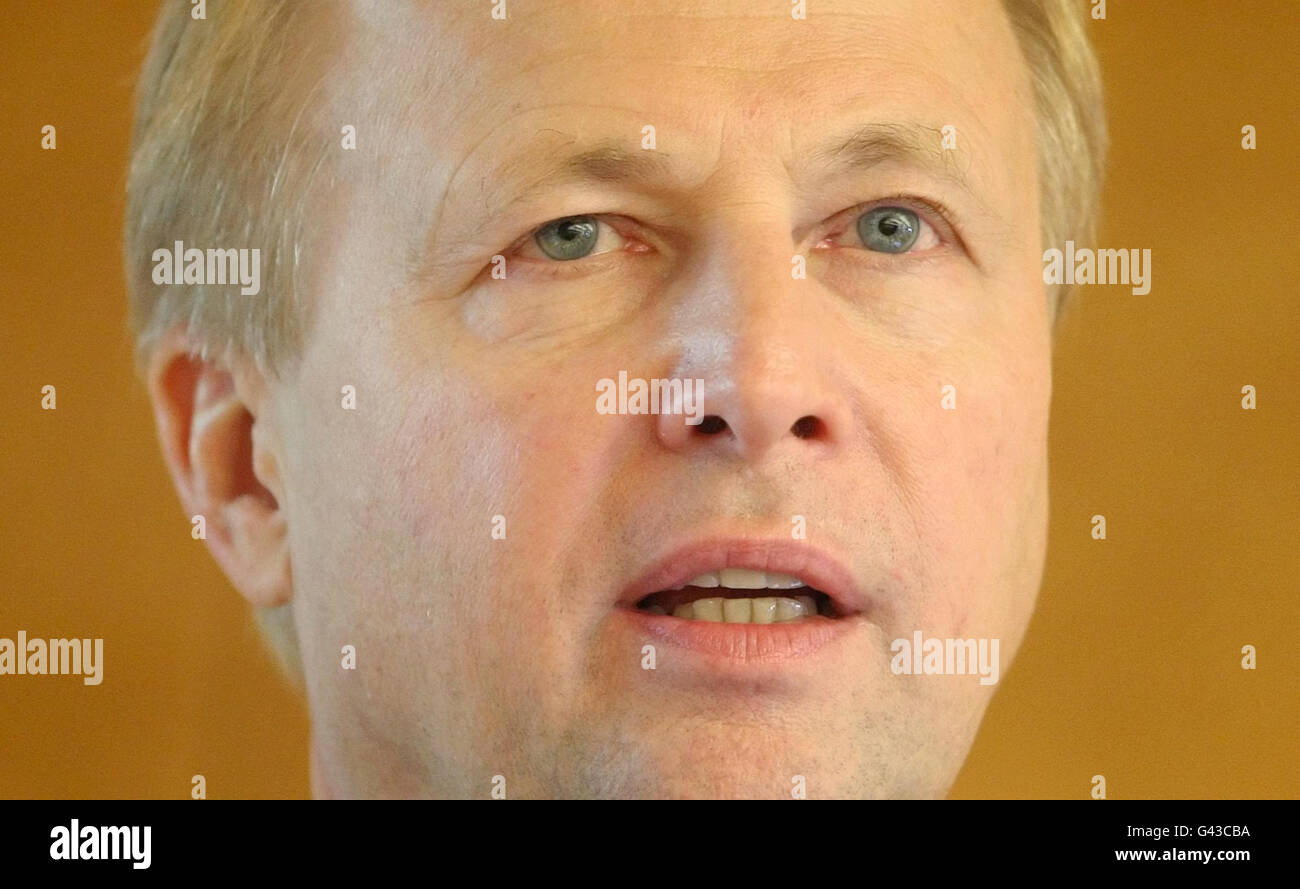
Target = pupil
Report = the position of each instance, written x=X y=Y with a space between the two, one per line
x=889 y=226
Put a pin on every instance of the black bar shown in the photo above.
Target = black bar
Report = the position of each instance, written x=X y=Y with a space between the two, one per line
x=303 y=839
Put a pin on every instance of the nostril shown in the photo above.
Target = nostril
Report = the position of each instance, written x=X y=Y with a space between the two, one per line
x=807 y=427
x=712 y=425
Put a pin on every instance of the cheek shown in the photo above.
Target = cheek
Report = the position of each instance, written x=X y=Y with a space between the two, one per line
x=395 y=540
x=982 y=495
x=496 y=469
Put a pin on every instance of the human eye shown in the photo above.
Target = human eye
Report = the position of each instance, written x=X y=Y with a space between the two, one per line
x=893 y=226
x=893 y=229
x=570 y=238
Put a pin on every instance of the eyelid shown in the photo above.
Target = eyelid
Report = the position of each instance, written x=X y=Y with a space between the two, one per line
x=531 y=235
x=932 y=213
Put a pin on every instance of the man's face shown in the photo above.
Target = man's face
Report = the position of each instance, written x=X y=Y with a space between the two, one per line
x=837 y=455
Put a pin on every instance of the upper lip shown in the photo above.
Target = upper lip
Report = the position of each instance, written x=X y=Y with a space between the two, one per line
x=813 y=566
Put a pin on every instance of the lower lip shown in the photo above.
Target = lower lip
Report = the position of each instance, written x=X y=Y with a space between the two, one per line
x=742 y=643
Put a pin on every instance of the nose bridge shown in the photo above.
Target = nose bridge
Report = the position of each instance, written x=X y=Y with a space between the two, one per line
x=752 y=336
x=751 y=272
x=763 y=321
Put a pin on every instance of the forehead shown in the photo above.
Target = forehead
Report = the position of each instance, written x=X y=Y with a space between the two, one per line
x=655 y=60
x=481 y=110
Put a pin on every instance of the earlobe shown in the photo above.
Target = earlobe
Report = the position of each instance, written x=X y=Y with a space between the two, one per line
x=221 y=452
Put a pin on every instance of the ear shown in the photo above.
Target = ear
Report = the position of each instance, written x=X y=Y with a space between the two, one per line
x=223 y=454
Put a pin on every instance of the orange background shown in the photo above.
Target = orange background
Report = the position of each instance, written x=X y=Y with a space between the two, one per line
x=1131 y=668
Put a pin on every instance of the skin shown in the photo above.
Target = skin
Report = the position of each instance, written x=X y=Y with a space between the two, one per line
x=479 y=657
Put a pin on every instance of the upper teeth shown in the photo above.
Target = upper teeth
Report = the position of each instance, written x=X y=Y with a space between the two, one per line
x=745 y=579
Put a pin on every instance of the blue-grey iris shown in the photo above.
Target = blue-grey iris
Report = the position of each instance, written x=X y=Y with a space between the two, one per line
x=570 y=238
x=889 y=229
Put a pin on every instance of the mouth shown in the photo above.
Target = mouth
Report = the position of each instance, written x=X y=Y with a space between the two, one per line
x=746 y=599
x=741 y=596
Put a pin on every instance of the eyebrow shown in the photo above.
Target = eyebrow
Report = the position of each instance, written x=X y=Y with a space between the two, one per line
x=606 y=162
x=614 y=163
x=867 y=146
x=910 y=143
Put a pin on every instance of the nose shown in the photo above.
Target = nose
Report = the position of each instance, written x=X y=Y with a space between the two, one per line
x=763 y=345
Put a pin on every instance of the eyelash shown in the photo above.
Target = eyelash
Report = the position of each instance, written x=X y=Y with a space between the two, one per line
x=929 y=211
x=557 y=269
